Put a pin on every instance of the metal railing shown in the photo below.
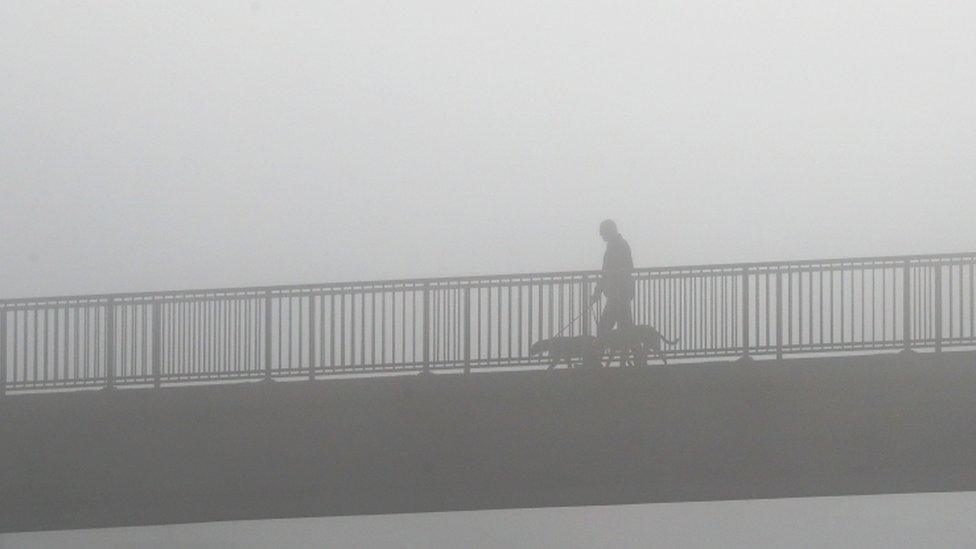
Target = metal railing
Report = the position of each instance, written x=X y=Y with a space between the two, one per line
x=467 y=323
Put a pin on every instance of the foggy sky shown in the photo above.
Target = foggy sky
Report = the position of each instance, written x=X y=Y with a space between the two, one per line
x=171 y=145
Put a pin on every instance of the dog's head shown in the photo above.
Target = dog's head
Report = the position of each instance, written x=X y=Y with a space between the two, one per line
x=540 y=347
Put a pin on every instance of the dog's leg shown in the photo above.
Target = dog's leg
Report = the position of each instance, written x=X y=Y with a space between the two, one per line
x=664 y=359
x=650 y=347
x=638 y=354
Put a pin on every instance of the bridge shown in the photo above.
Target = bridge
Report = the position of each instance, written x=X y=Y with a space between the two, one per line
x=187 y=438
x=466 y=324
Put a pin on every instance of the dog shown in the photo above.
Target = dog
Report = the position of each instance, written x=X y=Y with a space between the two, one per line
x=638 y=341
x=563 y=350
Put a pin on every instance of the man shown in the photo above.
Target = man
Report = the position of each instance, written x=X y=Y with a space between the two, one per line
x=615 y=282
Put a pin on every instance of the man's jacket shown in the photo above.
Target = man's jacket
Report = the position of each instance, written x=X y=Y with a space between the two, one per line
x=616 y=282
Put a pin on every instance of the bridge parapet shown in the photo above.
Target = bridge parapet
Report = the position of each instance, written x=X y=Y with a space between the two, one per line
x=478 y=322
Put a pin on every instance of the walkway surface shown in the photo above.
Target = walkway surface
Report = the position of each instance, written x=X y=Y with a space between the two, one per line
x=801 y=427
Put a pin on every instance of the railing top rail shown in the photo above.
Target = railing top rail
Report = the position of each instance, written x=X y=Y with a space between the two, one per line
x=496 y=278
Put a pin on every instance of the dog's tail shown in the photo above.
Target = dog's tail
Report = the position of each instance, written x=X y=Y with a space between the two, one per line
x=670 y=341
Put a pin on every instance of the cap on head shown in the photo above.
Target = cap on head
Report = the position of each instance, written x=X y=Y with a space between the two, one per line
x=608 y=228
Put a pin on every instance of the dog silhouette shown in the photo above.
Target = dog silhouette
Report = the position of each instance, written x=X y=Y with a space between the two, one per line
x=564 y=349
x=637 y=341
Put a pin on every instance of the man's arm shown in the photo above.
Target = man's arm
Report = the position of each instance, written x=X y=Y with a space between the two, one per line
x=617 y=264
x=598 y=291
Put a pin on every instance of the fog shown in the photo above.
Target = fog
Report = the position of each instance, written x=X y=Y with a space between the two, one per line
x=185 y=144
x=172 y=145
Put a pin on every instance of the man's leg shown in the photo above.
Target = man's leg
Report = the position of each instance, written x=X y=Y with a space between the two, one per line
x=603 y=326
x=607 y=320
x=626 y=321
x=615 y=314
x=623 y=320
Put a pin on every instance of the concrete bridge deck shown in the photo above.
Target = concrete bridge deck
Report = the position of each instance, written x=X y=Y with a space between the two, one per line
x=799 y=427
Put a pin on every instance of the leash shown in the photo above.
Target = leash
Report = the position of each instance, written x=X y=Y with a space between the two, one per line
x=593 y=314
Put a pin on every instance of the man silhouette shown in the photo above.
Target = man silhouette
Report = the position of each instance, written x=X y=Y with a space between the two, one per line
x=615 y=282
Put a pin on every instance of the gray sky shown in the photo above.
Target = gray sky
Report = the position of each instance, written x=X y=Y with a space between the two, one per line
x=164 y=145
x=175 y=144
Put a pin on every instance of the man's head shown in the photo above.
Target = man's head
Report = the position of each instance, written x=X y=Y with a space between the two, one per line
x=608 y=229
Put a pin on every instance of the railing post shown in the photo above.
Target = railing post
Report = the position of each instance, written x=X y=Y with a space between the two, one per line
x=938 y=306
x=267 y=336
x=779 y=315
x=586 y=306
x=745 y=314
x=466 y=344
x=426 y=329
x=157 y=344
x=3 y=352
x=110 y=344
x=311 y=337
x=906 y=306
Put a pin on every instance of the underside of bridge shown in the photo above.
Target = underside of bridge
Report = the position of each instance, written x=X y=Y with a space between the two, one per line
x=801 y=427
